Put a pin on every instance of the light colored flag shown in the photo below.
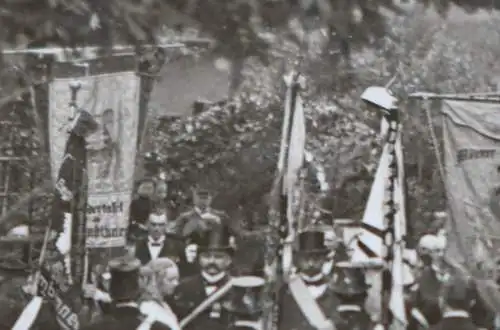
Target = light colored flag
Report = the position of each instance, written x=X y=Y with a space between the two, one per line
x=370 y=243
x=291 y=159
x=471 y=144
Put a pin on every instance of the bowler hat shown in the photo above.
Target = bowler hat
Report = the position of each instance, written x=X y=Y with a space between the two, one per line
x=124 y=284
x=312 y=242
x=349 y=279
x=218 y=238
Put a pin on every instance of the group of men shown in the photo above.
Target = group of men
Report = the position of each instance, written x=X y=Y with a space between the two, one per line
x=204 y=288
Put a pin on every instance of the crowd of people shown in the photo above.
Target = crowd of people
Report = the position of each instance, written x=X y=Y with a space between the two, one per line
x=180 y=273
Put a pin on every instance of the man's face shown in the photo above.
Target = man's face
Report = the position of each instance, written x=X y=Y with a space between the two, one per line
x=310 y=264
x=214 y=262
x=146 y=189
x=191 y=252
x=161 y=191
x=169 y=281
x=157 y=225
x=202 y=200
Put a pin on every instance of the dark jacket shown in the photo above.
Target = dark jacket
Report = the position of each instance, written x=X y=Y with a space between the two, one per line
x=173 y=248
x=455 y=323
x=188 y=295
x=293 y=319
x=123 y=318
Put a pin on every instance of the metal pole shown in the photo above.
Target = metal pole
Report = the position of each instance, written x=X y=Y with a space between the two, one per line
x=465 y=96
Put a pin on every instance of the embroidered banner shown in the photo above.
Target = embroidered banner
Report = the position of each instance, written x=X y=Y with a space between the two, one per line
x=471 y=131
x=113 y=100
x=49 y=287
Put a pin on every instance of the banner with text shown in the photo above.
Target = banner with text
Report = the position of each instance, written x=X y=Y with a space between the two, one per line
x=113 y=100
x=471 y=131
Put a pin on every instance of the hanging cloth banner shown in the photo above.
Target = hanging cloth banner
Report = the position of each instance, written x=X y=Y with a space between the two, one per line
x=113 y=101
x=471 y=131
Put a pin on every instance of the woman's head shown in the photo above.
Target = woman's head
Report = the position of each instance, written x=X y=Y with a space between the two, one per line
x=163 y=276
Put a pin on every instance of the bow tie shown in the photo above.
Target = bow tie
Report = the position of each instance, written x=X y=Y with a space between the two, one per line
x=155 y=244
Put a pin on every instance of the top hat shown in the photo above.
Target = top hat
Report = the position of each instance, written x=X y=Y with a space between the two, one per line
x=312 y=242
x=243 y=300
x=124 y=284
x=84 y=123
x=218 y=238
x=349 y=280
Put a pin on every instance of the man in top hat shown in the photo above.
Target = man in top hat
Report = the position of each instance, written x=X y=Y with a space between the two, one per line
x=350 y=287
x=456 y=305
x=159 y=243
x=125 y=291
x=311 y=254
x=215 y=258
x=196 y=222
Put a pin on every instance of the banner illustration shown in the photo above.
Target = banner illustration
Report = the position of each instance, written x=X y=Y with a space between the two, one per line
x=113 y=101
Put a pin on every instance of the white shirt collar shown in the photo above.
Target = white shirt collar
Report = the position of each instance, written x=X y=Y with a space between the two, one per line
x=348 y=308
x=213 y=278
x=160 y=240
x=128 y=304
x=457 y=313
x=312 y=279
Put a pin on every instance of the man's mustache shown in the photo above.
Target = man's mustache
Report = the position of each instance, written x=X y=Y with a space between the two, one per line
x=214 y=266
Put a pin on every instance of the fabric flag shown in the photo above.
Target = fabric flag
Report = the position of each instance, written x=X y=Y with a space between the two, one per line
x=370 y=242
x=471 y=134
x=291 y=160
x=398 y=274
x=283 y=194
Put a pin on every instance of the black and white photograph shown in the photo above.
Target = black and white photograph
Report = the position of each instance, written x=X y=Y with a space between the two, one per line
x=250 y=165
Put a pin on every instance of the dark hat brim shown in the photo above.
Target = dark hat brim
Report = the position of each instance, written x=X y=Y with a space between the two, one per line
x=233 y=308
x=226 y=249
x=314 y=251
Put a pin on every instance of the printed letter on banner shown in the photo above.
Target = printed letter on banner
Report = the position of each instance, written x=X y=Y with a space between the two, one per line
x=471 y=131
x=113 y=100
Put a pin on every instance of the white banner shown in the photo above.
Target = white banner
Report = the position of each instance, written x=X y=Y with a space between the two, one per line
x=113 y=100
x=472 y=163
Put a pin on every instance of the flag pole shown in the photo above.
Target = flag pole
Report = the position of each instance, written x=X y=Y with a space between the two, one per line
x=392 y=117
x=278 y=216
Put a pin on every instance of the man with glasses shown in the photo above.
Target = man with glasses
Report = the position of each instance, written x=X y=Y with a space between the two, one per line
x=159 y=243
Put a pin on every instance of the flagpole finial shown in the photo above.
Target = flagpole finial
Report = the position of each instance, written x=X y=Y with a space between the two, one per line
x=295 y=77
x=380 y=97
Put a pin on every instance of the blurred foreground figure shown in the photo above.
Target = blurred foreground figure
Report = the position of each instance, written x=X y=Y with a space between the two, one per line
x=457 y=300
x=349 y=284
x=125 y=291
x=16 y=284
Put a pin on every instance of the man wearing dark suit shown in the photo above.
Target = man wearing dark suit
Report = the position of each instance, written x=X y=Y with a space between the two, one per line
x=350 y=287
x=215 y=257
x=193 y=224
x=159 y=243
x=125 y=291
x=312 y=254
x=457 y=301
